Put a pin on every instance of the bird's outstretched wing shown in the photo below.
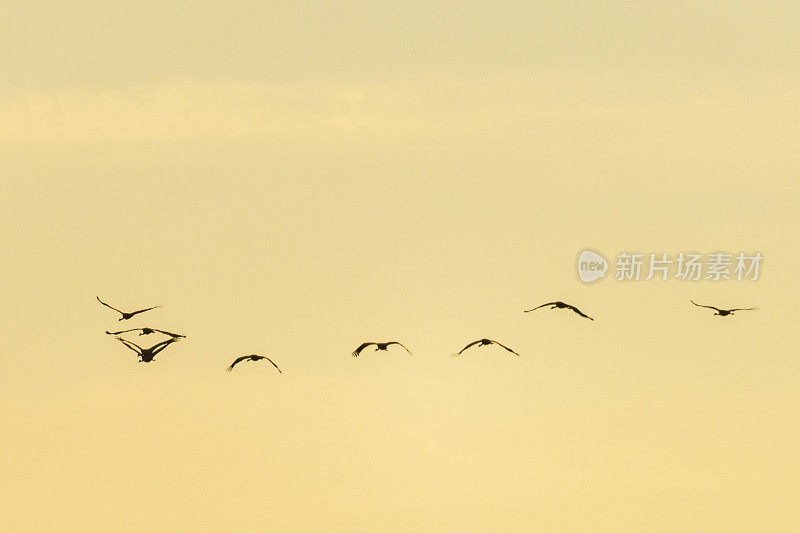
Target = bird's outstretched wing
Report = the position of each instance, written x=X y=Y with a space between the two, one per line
x=114 y=308
x=358 y=350
x=538 y=306
x=161 y=345
x=143 y=310
x=473 y=343
x=399 y=344
x=173 y=335
x=744 y=309
x=122 y=331
x=579 y=312
x=506 y=347
x=237 y=361
x=707 y=306
x=132 y=345
x=273 y=364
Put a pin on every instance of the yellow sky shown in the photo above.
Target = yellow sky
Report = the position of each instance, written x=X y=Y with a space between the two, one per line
x=295 y=179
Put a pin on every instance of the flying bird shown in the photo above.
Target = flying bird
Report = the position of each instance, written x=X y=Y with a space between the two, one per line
x=147 y=331
x=485 y=342
x=252 y=357
x=126 y=316
x=378 y=346
x=724 y=312
x=147 y=354
x=560 y=305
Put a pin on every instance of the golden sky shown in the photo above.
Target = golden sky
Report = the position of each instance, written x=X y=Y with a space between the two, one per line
x=293 y=179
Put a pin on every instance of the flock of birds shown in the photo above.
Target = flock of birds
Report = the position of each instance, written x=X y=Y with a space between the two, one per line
x=147 y=355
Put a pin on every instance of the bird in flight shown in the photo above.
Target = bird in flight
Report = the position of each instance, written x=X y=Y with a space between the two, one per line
x=485 y=342
x=147 y=354
x=252 y=357
x=724 y=312
x=378 y=346
x=560 y=305
x=126 y=316
x=147 y=331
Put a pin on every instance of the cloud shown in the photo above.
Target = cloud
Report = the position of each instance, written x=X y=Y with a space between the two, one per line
x=240 y=109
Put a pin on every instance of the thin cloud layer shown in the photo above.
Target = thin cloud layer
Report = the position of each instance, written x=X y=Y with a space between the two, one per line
x=238 y=109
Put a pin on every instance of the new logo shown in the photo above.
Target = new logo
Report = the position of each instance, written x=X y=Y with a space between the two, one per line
x=591 y=266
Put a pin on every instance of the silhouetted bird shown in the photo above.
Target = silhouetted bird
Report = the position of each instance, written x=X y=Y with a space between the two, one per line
x=560 y=305
x=147 y=354
x=378 y=346
x=252 y=357
x=485 y=342
x=147 y=331
x=126 y=316
x=724 y=312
